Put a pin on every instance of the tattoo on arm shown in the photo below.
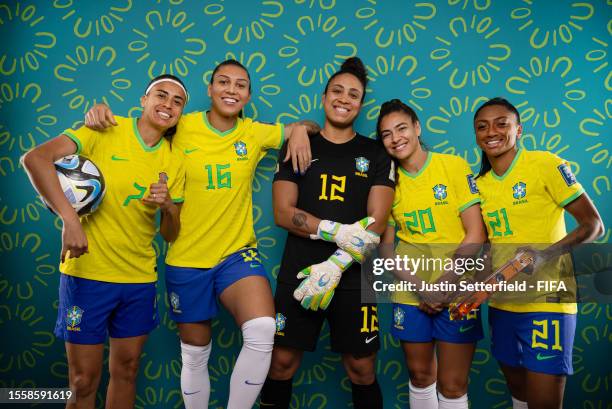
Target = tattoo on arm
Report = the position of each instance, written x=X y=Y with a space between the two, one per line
x=311 y=126
x=299 y=220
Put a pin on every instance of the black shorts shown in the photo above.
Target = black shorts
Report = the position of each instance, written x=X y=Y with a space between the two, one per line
x=353 y=326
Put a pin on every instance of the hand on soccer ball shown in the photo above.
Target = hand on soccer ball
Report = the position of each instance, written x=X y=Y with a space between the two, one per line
x=352 y=238
x=320 y=281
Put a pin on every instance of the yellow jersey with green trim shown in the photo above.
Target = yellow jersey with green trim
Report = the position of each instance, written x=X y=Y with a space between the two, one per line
x=217 y=216
x=524 y=207
x=120 y=232
x=427 y=211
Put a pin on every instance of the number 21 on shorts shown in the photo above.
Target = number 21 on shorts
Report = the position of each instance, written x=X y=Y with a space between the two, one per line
x=540 y=334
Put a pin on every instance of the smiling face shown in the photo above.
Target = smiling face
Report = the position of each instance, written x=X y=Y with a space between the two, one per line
x=400 y=135
x=229 y=90
x=342 y=101
x=163 y=105
x=497 y=130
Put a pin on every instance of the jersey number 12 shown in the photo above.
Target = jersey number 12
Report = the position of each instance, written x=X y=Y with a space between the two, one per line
x=337 y=184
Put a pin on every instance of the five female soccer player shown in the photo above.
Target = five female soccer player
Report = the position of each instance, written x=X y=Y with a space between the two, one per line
x=335 y=208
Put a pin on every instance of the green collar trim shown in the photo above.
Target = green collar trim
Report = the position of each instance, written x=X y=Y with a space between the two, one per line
x=420 y=172
x=215 y=130
x=146 y=147
x=502 y=177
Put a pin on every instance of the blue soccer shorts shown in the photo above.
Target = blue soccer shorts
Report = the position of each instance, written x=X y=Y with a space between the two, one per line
x=89 y=310
x=193 y=292
x=538 y=341
x=410 y=324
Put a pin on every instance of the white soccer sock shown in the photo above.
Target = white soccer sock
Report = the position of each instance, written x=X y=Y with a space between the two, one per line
x=253 y=362
x=195 y=383
x=448 y=403
x=423 y=398
x=519 y=404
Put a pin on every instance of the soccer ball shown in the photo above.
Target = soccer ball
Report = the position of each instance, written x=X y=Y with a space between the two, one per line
x=82 y=183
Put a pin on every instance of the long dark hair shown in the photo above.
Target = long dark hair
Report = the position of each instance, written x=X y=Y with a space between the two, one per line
x=485 y=165
x=355 y=67
x=170 y=132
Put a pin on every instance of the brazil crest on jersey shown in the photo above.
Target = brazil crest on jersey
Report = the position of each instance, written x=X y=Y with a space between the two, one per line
x=121 y=231
x=427 y=209
x=525 y=206
x=335 y=187
x=217 y=216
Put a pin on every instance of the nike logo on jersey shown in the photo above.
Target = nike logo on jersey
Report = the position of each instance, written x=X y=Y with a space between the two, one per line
x=368 y=340
x=541 y=357
x=190 y=393
x=465 y=329
x=254 y=265
x=115 y=157
x=188 y=151
x=252 y=383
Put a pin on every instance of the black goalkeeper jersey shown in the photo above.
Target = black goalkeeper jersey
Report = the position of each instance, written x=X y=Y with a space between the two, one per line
x=335 y=187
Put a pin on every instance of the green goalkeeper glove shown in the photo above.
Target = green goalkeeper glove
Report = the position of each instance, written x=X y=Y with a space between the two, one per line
x=320 y=281
x=354 y=238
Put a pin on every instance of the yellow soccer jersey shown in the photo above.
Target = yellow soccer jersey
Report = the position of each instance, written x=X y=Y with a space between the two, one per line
x=121 y=231
x=217 y=216
x=427 y=209
x=525 y=206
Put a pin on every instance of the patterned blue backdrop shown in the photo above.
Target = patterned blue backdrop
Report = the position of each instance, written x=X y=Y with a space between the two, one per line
x=57 y=58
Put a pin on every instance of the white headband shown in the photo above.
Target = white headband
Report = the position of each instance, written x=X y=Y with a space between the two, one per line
x=168 y=80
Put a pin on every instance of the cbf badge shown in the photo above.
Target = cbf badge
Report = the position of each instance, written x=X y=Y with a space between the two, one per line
x=439 y=191
x=281 y=321
x=74 y=315
x=519 y=190
x=241 y=150
x=362 y=165
x=175 y=303
x=398 y=318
